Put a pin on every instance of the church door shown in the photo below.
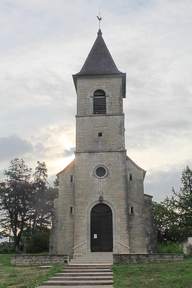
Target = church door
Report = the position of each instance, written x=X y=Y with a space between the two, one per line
x=101 y=229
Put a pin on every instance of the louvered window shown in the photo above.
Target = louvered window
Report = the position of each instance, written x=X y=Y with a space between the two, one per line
x=99 y=102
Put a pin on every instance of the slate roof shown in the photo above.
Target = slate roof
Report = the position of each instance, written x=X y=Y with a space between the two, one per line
x=100 y=62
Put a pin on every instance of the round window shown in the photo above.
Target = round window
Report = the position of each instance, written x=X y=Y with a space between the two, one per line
x=100 y=172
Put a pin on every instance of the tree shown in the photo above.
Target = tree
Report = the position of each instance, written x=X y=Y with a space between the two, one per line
x=15 y=196
x=182 y=202
x=56 y=183
x=173 y=216
x=166 y=220
x=43 y=197
x=26 y=201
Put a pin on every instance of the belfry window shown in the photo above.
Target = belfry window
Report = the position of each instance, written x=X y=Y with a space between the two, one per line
x=99 y=102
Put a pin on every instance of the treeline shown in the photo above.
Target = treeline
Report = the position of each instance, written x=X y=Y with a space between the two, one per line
x=26 y=208
x=173 y=216
x=26 y=202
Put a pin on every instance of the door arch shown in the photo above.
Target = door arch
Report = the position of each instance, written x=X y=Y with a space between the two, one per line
x=101 y=228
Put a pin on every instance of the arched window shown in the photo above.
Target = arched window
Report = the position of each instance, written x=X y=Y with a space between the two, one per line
x=99 y=102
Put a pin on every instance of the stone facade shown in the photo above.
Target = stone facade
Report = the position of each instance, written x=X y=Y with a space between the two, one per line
x=100 y=148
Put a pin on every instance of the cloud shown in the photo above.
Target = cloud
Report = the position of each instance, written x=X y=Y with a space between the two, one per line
x=45 y=42
x=13 y=146
x=68 y=152
x=159 y=183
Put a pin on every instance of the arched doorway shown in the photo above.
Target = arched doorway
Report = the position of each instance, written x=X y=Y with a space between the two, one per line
x=101 y=228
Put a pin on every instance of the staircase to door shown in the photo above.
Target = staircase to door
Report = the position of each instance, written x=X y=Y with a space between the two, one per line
x=90 y=270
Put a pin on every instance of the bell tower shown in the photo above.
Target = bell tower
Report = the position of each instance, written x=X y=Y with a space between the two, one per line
x=100 y=157
x=100 y=90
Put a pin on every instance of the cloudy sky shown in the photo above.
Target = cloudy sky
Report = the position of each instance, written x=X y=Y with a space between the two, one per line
x=44 y=42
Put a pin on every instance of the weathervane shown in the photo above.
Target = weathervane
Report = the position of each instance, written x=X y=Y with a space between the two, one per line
x=99 y=18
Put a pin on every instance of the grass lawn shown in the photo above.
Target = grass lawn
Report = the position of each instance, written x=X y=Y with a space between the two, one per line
x=31 y=276
x=167 y=274
x=170 y=274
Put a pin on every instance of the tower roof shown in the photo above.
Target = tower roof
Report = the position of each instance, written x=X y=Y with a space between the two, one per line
x=100 y=62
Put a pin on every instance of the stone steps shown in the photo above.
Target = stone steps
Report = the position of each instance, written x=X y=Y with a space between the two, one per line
x=79 y=269
x=86 y=279
x=76 y=274
x=81 y=276
x=77 y=283
x=79 y=286
x=90 y=270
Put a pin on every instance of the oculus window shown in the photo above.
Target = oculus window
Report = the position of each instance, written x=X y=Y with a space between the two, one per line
x=100 y=171
x=99 y=102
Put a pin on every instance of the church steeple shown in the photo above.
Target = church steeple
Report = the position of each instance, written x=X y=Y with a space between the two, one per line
x=100 y=62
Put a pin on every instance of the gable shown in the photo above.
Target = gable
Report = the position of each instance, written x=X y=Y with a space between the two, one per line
x=70 y=165
x=133 y=167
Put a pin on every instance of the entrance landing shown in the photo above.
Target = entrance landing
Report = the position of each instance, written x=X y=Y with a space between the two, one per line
x=94 y=258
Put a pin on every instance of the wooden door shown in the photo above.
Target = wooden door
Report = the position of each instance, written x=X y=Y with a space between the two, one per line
x=101 y=229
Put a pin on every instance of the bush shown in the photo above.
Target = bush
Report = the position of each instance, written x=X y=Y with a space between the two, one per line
x=170 y=247
x=38 y=243
x=4 y=250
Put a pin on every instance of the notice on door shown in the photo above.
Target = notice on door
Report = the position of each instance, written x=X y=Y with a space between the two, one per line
x=95 y=236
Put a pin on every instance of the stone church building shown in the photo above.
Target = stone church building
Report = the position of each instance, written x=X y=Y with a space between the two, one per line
x=101 y=205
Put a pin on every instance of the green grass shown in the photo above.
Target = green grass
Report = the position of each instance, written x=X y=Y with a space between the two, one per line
x=30 y=276
x=167 y=274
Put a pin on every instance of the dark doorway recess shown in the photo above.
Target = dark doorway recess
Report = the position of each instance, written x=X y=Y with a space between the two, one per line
x=101 y=229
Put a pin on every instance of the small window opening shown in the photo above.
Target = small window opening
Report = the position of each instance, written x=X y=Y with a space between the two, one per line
x=99 y=102
x=71 y=210
x=131 y=210
x=130 y=177
x=100 y=134
x=71 y=178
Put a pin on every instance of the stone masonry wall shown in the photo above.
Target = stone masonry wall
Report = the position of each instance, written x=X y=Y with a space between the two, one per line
x=66 y=210
x=37 y=260
x=151 y=236
x=125 y=259
x=112 y=128
x=136 y=224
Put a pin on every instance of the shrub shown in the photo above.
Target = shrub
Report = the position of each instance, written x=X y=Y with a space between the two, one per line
x=38 y=243
x=170 y=247
x=4 y=250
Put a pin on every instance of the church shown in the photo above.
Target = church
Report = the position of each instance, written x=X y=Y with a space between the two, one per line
x=101 y=205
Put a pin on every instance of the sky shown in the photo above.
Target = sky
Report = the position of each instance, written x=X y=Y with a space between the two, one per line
x=44 y=42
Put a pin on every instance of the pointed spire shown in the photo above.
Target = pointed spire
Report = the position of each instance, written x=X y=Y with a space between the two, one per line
x=99 y=60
